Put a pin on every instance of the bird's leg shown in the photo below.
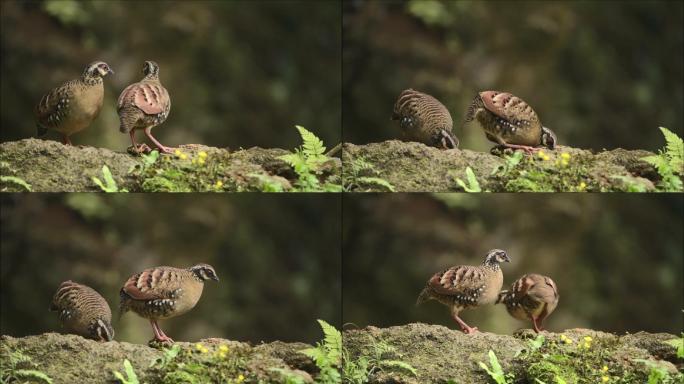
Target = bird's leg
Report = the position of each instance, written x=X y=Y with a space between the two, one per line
x=526 y=148
x=138 y=148
x=163 y=149
x=537 y=324
x=464 y=327
x=66 y=140
x=158 y=333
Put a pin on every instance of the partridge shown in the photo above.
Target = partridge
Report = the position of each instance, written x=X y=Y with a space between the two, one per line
x=531 y=297
x=164 y=292
x=424 y=119
x=463 y=287
x=72 y=106
x=509 y=121
x=83 y=311
x=144 y=105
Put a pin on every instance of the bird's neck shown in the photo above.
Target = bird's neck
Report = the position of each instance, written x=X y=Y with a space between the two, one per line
x=151 y=78
x=91 y=80
x=493 y=266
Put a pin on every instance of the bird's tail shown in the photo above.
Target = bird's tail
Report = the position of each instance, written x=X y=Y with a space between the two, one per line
x=424 y=296
x=501 y=298
x=448 y=139
x=123 y=305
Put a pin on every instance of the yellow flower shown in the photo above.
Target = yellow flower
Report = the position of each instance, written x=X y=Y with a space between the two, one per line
x=582 y=186
x=563 y=337
x=541 y=154
x=218 y=184
x=183 y=156
x=605 y=368
x=177 y=152
x=223 y=348
x=604 y=379
x=201 y=160
x=587 y=344
x=222 y=354
x=588 y=338
x=564 y=162
x=202 y=154
x=204 y=350
x=565 y=156
x=199 y=346
x=240 y=378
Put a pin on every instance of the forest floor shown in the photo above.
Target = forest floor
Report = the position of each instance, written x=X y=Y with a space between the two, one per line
x=415 y=167
x=49 y=166
x=412 y=353
x=74 y=359
x=421 y=353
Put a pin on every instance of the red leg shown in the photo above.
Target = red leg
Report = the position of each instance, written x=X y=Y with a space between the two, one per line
x=464 y=327
x=66 y=140
x=163 y=149
x=525 y=148
x=537 y=324
x=158 y=333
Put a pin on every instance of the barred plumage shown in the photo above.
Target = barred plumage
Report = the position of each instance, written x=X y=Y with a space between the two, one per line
x=83 y=311
x=74 y=105
x=164 y=292
x=532 y=297
x=463 y=287
x=509 y=121
x=424 y=119
x=144 y=105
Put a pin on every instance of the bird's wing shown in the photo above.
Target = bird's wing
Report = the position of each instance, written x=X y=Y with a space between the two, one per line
x=510 y=108
x=49 y=110
x=150 y=97
x=150 y=284
x=458 y=280
x=406 y=103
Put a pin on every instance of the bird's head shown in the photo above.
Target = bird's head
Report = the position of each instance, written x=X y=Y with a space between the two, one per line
x=548 y=138
x=150 y=69
x=496 y=256
x=97 y=69
x=204 y=272
x=102 y=330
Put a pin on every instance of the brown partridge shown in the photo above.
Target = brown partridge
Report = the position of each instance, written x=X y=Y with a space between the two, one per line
x=509 y=121
x=424 y=119
x=83 y=311
x=72 y=106
x=531 y=297
x=144 y=105
x=463 y=287
x=164 y=292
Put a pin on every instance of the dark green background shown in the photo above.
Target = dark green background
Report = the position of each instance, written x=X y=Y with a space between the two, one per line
x=601 y=74
x=239 y=73
x=278 y=260
x=617 y=259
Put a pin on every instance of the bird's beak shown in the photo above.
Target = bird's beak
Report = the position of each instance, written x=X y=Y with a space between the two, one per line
x=111 y=71
x=215 y=278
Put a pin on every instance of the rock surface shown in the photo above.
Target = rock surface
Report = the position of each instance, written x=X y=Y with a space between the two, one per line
x=49 y=166
x=415 y=167
x=73 y=359
x=442 y=355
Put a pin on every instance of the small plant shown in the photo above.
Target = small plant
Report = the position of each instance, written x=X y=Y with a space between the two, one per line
x=473 y=185
x=657 y=374
x=679 y=344
x=327 y=355
x=308 y=161
x=268 y=183
x=4 y=179
x=496 y=372
x=669 y=162
x=109 y=184
x=359 y=175
x=131 y=377
x=11 y=373
x=358 y=371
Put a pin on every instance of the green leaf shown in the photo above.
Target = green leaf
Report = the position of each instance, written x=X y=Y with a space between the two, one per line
x=151 y=158
x=131 y=377
x=377 y=181
x=679 y=344
x=32 y=374
x=399 y=364
x=674 y=150
x=16 y=180
x=496 y=372
x=473 y=185
x=313 y=146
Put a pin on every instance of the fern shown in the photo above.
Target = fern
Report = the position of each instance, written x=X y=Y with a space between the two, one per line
x=32 y=375
x=16 y=180
x=359 y=371
x=9 y=372
x=131 y=377
x=496 y=372
x=327 y=354
x=679 y=344
x=306 y=161
x=473 y=185
x=354 y=180
x=669 y=161
x=109 y=184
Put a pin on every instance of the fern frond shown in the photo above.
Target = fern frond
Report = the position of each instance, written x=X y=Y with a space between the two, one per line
x=674 y=150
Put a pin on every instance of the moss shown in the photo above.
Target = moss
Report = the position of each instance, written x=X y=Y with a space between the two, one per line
x=414 y=167
x=49 y=166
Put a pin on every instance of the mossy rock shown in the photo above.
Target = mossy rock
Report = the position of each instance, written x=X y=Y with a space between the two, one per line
x=49 y=166
x=415 y=167
x=443 y=355
x=73 y=359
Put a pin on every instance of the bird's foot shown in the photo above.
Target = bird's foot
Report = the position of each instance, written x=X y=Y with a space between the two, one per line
x=138 y=149
x=164 y=149
x=469 y=330
x=159 y=343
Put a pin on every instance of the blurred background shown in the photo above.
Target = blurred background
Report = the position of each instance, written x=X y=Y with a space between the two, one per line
x=278 y=260
x=601 y=74
x=240 y=73
x=617 y=260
